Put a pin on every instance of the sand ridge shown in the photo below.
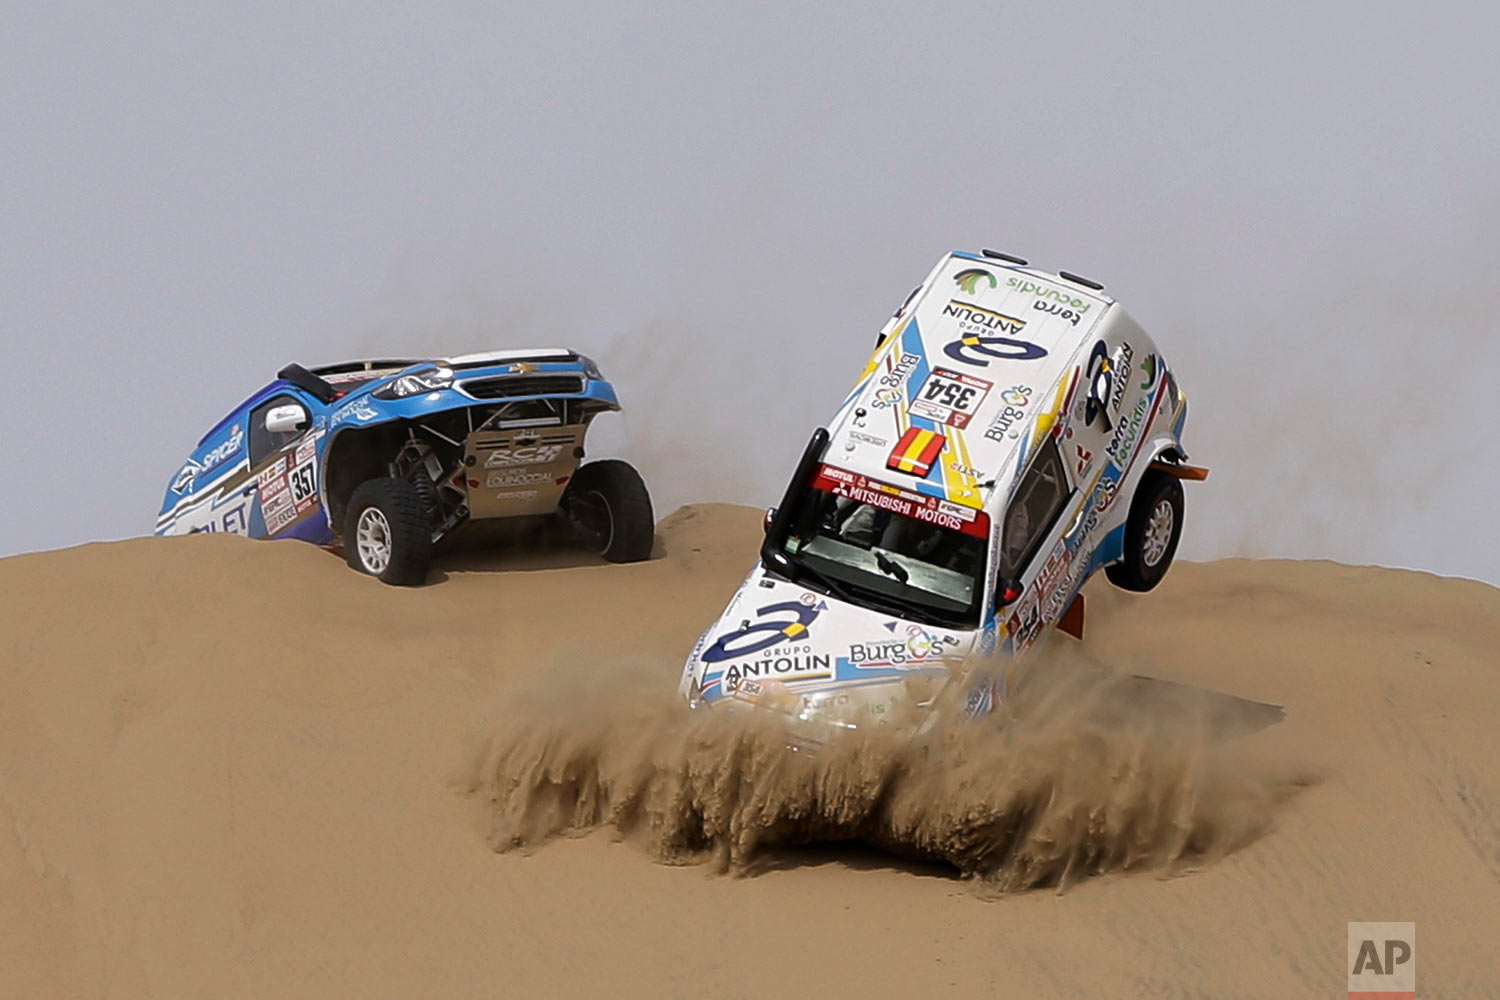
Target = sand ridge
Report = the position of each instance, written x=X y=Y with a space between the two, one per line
x=237 y=769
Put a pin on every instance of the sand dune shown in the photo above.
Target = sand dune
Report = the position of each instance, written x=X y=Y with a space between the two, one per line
x=237 y=769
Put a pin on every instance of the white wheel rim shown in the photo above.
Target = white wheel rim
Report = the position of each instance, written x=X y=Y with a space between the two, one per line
x=373 y=538
x=1158 y=532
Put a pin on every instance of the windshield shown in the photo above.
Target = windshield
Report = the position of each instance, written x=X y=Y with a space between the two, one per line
x=885 y=547
x=349 y=381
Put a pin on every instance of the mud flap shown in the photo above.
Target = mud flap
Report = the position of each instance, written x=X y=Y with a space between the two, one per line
x=1193 y=473
x=1072 y=620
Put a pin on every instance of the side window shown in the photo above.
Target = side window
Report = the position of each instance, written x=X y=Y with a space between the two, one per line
x=263 y=443
x=1038 y=501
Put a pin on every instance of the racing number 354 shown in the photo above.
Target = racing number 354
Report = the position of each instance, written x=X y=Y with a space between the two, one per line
x=953 y=395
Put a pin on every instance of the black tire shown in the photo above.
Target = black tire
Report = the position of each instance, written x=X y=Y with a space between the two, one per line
x=608 y=502
x=401 y=518
x=1158 y=496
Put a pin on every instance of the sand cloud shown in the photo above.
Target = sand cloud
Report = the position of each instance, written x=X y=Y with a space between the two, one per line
x=1094 y=773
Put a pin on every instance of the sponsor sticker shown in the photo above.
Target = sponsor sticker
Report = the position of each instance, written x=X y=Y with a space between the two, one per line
x=288 y=491
x=518 y=477
x=915 y=452
x=986 y=335
x=358 y=410
x=974 y=279
x=1016 y=399
x=900 y=372
x=773 y=624
x=1121 y=366
x=186 y=478
x=919 y=646
x=224 y=450
x=532 y=454
x=950 y=397
x=842 y=483
x=792 y=665
x=279 y=512
x=272 y=480
x=1058 y=297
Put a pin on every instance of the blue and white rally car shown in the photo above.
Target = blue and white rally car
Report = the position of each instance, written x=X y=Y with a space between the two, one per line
x=388 y=457
x=1014 y=432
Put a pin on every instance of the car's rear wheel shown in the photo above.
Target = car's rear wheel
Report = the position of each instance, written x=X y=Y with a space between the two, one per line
x=608 y=502
x=1151 y=533
x=388 y=532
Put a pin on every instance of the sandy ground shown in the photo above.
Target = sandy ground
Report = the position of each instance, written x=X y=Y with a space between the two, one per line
x=235 y=769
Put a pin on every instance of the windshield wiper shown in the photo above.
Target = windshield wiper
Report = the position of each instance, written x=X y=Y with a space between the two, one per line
x=875 y=599
x=879 y=600
x=833 y=588
x=890 y=567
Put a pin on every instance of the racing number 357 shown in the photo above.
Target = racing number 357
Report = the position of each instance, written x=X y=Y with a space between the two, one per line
x=302 y=482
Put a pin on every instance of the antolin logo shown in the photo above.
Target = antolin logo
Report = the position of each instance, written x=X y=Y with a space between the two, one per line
x=970 y=278
x=978 y=343
x=1382 y=961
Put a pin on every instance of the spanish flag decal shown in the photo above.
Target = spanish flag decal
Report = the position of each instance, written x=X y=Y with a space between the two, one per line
x=916 y=451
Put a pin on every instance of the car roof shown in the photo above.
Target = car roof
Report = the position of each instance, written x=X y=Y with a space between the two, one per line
x=367 y=365
x=378 y=367
x=996 y=339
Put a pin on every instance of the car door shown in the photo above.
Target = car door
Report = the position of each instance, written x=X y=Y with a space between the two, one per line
x=283 y=463
x=211 y=492
x=1033 y=548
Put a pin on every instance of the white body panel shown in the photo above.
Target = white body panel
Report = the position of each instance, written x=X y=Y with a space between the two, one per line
x=986 y=366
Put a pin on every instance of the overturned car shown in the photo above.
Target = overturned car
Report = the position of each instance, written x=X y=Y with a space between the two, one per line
x=388 y=457
x=1014 y=432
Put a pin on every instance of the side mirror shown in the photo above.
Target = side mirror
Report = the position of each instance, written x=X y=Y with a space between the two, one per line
x=281 y=419
x=1007 y=592
x=770 y=516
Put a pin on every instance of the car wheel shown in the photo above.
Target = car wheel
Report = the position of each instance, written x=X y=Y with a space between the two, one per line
x=1151 y=533
x=608 y=502
x=387 y=532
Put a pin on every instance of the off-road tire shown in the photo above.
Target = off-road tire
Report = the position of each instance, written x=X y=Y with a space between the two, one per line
x=1150 y=544
x=608 y=502
x=401 y=519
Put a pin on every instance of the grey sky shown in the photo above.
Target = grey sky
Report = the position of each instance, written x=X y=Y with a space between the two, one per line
x=723 y=202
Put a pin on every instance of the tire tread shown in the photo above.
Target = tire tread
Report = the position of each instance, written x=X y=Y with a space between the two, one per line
x=411 y=529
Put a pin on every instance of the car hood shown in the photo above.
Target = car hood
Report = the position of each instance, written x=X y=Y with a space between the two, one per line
x=784 y=646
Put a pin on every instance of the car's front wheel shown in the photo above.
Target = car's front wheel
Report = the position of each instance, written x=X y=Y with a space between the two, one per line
x=608 y=502
x=1151 y=533
x=387 y=532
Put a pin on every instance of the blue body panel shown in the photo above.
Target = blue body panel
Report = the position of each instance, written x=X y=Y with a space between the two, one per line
x=216 y=489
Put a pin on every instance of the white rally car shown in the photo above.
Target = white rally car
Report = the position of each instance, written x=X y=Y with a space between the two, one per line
x=1014 y=431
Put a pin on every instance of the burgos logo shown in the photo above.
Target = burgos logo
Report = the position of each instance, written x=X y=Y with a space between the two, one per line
x=1382 y=961
x=969 y=279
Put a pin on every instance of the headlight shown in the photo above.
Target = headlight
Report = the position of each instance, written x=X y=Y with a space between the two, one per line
x=415 y=383
x=589 y=367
